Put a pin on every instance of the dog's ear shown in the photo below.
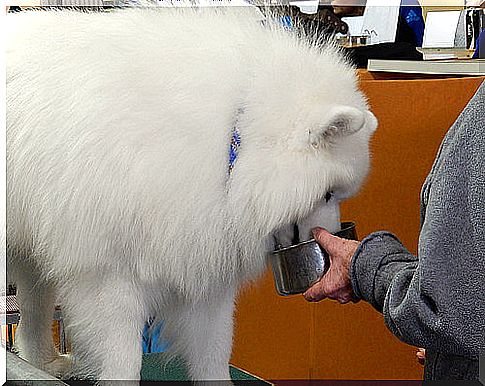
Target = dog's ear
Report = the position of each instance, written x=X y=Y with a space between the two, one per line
x=341 y=121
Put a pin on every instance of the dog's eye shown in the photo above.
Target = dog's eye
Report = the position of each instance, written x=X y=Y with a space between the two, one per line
x=328 y=196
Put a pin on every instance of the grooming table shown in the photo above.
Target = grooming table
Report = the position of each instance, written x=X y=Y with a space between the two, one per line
x=155 y=367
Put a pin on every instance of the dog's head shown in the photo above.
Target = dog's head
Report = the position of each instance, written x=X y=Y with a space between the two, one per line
x=305 y=143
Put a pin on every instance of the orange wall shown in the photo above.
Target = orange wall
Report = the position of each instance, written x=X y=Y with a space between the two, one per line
x=287 y=338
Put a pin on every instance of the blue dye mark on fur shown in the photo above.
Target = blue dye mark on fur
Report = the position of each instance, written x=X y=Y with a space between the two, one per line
x=287 y=22
x=235 y=142
x=151 y=339
x=234 y=148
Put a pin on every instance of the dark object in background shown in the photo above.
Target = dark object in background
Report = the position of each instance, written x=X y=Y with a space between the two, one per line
x=474 y=24
x=11 y=290
x=410 y=25
x=405 y=34
x=397 y=51
x=14 y=8
x=409 y=33
x=324 y=22
x=480 y=46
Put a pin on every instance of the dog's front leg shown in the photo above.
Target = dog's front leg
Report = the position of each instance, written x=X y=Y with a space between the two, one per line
x=205 y=337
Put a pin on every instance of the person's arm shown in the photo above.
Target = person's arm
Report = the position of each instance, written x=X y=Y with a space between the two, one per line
x=434 y=303
x=376 y=263
x=438 y=301
x=421 y=306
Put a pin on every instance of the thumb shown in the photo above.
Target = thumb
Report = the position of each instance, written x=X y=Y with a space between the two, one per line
x=326 y=240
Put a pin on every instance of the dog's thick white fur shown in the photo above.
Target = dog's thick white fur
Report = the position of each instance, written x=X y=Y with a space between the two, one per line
x=120 y=204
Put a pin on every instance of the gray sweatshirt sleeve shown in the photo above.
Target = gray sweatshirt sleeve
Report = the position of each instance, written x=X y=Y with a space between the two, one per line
x=437 y=301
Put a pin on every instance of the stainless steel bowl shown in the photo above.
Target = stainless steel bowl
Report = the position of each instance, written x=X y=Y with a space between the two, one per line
x=297 y=267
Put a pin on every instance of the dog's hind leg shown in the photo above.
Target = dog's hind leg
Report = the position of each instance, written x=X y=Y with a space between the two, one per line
x=33 y=337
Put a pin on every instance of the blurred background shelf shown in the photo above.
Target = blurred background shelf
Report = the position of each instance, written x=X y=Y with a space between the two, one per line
x=435 y=67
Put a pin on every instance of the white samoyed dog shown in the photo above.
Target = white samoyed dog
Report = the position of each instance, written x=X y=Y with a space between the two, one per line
x=121 y=202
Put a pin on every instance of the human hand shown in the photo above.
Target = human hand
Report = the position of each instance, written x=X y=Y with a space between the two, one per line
x=421 y=355
x=335 y=284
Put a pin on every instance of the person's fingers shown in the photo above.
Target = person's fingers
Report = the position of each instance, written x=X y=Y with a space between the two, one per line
x=332 y=244
x=324 y=289
x=421 y=355
x=317 y=292
x=343 y=300
x=334 y=284
x=342 y=296
x=329 y=286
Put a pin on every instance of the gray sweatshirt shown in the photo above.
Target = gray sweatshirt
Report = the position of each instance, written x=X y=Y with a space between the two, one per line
x=436 y=300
